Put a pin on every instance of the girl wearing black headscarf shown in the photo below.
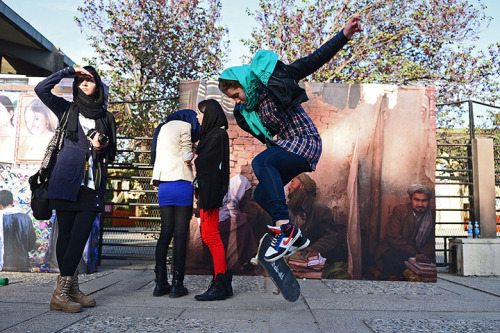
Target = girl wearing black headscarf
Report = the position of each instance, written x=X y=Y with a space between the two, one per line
x=78 y=180
x=212 y=175
x=171 y=155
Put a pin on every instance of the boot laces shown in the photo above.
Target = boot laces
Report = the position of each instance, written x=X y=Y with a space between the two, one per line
x=65 y=288
x=76 y=286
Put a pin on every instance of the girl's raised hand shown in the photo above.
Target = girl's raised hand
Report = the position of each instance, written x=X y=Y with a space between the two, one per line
x=352 y=26
x=79 y=71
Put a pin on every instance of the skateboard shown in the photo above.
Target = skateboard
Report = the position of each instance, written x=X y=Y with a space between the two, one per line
x=279 y=271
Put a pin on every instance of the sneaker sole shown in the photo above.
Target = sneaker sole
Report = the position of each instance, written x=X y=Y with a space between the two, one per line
x=291 y=251
x=286 y=249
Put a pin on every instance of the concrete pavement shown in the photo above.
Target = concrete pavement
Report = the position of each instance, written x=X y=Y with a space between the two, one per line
x=123 y=291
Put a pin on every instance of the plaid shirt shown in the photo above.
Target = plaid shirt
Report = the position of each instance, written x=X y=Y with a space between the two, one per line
x=292 y=129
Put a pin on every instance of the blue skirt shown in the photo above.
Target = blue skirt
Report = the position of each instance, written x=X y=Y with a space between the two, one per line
x=178 y=193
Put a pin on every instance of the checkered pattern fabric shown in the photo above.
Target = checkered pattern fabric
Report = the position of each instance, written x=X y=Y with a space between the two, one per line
x=292 y=128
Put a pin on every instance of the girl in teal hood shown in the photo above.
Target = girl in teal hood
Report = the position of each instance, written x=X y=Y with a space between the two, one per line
x=268 y=98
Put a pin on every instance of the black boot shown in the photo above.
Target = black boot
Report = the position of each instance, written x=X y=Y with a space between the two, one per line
x=162 y=287
x=216 y=290
x=178 y=288
x=229 y=280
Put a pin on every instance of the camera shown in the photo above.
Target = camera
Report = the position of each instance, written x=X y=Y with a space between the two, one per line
x=103 y=138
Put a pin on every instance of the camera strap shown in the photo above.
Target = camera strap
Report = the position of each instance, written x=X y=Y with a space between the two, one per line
x=96 y=162
x=86 y=174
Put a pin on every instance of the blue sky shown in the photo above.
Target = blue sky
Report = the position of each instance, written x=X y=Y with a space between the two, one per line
x=54 y=20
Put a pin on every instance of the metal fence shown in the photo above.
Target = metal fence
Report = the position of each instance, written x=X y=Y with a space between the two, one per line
x=131 y=220
x=459 y=123
x=454 y=196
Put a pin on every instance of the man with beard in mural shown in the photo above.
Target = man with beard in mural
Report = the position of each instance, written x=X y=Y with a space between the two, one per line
x=314 y=218
x=410 y=233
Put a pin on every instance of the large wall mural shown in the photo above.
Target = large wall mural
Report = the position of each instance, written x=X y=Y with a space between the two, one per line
x=377 y=141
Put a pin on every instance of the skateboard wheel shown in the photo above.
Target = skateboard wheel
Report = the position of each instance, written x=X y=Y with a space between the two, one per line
x=254 y=261
x=276 y=291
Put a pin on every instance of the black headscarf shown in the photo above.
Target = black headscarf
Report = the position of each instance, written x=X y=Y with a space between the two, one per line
x=213 y=118
x=92 y=107
x=212 y=163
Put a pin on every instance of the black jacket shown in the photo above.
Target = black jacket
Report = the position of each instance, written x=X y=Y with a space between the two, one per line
x=284 y=82
x=212 y=170
x=316 y=222
x=68 y=173
x=19 y=239
x=212 y=163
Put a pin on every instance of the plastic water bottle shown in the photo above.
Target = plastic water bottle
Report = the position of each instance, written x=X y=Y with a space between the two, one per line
x=469 y=230
x=476 y=230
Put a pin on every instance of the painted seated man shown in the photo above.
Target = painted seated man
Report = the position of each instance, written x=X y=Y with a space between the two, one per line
x=410 y=233
x=314 y=218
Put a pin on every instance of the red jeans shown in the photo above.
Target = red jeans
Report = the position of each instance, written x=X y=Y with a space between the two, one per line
x=211 y=237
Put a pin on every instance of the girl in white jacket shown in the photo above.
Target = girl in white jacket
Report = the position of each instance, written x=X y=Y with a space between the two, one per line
x=171 y=155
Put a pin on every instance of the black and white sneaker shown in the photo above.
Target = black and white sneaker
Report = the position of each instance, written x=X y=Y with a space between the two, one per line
x=301 y=243
x=283 y=238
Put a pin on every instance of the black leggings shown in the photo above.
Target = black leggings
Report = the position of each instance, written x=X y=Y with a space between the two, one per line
x=174 y=222
x=74 y=231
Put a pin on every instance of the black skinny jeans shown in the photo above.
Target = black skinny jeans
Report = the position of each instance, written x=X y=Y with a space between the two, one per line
x=74 y=231
x=174 y=222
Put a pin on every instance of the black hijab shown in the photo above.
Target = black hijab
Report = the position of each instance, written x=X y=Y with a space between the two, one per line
x=213 y=118
x=89 y=107
x=212 y=163
x=92 y=107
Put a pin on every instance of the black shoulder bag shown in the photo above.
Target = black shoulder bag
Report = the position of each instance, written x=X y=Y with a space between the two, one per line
x=39 y=182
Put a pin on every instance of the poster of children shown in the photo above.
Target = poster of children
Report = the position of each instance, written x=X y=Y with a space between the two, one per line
x=8 y=103
x=27 y=244
x=36 y=124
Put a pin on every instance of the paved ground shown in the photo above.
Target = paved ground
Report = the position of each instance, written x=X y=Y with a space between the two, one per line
x=123 y=291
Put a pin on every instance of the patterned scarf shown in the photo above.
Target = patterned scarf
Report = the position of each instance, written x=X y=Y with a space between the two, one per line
x=425 y=224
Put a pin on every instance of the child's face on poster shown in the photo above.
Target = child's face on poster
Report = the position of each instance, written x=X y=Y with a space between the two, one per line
x=5 y=116
x=36 y=122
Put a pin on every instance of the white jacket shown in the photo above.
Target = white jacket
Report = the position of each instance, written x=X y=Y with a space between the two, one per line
x=173 y=147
